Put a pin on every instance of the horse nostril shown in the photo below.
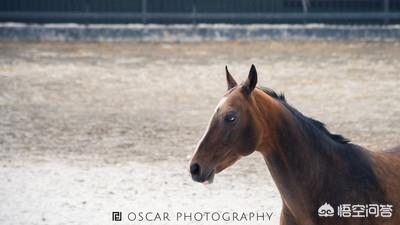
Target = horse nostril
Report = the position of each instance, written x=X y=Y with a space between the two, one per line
x=195 y=169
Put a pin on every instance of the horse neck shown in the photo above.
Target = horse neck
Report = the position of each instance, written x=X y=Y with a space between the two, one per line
x=293 y=153
x=287 y=137
x=306 y=161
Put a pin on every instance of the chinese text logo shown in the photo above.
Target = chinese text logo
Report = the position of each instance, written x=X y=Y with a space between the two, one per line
x=357 y=210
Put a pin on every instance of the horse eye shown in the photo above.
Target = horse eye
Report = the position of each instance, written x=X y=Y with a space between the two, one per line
x=231 y=117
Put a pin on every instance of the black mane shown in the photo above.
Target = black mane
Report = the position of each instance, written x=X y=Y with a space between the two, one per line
x=310 y=122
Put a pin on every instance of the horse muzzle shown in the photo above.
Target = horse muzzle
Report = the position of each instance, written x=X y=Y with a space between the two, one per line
x=200 y=174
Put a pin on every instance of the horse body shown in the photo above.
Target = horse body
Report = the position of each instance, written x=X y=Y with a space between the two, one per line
x=309 y=165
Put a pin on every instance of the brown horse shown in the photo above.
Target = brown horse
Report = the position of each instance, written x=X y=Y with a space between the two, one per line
x=309 y=165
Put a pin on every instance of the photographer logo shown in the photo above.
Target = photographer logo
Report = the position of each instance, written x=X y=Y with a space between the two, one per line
x=116 y=216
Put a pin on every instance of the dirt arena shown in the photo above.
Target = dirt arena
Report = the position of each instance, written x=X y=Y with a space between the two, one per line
x=91 y=128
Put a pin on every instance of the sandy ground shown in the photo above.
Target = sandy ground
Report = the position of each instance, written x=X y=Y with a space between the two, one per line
x=91 y=128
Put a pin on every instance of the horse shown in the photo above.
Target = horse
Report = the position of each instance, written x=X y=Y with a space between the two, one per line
x=314 y=170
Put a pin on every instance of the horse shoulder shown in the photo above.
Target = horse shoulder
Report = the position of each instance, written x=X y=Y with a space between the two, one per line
x=386 y=166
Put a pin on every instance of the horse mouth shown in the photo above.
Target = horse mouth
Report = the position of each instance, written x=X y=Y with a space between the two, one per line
x=209 y=178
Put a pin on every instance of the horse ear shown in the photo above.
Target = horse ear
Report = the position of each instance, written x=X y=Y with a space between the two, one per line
x=251 y=81
x=229 y=79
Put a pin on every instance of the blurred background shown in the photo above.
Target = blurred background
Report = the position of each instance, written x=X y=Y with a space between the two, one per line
x=204 y=11
x=102 y=102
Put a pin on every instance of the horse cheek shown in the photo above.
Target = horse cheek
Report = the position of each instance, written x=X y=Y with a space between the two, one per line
x=248 y=141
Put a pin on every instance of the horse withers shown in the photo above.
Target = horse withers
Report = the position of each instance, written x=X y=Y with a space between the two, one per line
x=310 y=166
